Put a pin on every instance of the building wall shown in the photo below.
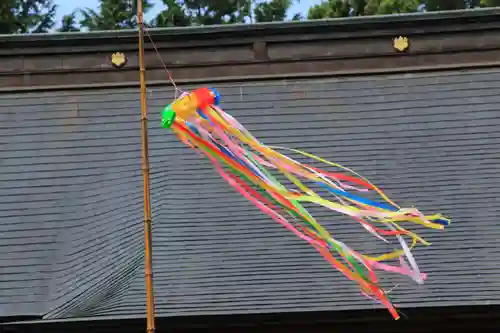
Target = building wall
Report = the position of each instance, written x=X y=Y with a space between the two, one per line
x=71 y=190
x=71 y=198
x=458 y=39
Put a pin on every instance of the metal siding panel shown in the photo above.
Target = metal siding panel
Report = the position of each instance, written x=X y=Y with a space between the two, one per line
x=71 y=179
x=77 y=200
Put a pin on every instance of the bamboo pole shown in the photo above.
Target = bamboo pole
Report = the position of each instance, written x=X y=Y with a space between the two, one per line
x=148 y=251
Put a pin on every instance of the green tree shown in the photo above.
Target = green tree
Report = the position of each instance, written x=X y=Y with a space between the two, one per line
x=435 y=5
x=68 y=23
x=173 y=15
x=385 y=7
x=113 y=15
x=329 y=9
x=209 y=12
x=274 y=10
x=486 y=3
x=345 y=8
x=26 y=16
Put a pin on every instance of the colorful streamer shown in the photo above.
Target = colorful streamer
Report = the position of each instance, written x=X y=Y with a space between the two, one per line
x=249 y=166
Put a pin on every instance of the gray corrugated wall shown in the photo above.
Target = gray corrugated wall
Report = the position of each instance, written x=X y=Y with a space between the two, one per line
x=70 y=202
x=71 y=197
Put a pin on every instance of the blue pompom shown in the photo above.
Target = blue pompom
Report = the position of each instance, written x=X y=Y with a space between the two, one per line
x=217 y=96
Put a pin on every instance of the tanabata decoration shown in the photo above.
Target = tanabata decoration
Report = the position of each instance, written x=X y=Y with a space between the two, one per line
x=250 y=167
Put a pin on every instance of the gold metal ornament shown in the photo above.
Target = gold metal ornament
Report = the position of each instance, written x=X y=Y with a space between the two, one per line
x=401 y=43
x=118 y=60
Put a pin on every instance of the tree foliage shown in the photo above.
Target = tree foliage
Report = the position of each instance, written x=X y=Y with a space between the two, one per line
x=69 y=24
x=385 y=7
x=341 y=8
x=273 y=11
x=173 y=14
x=36 y=16
x=345 y=8
x=210 y=12
x=112 y=15
x=26 y=16
x=329 y=9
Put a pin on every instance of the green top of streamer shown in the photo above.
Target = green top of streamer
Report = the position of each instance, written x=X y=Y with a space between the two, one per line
x=167 y=117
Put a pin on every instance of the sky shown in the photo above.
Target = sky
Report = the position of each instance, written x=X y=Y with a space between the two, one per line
x=67 y=6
